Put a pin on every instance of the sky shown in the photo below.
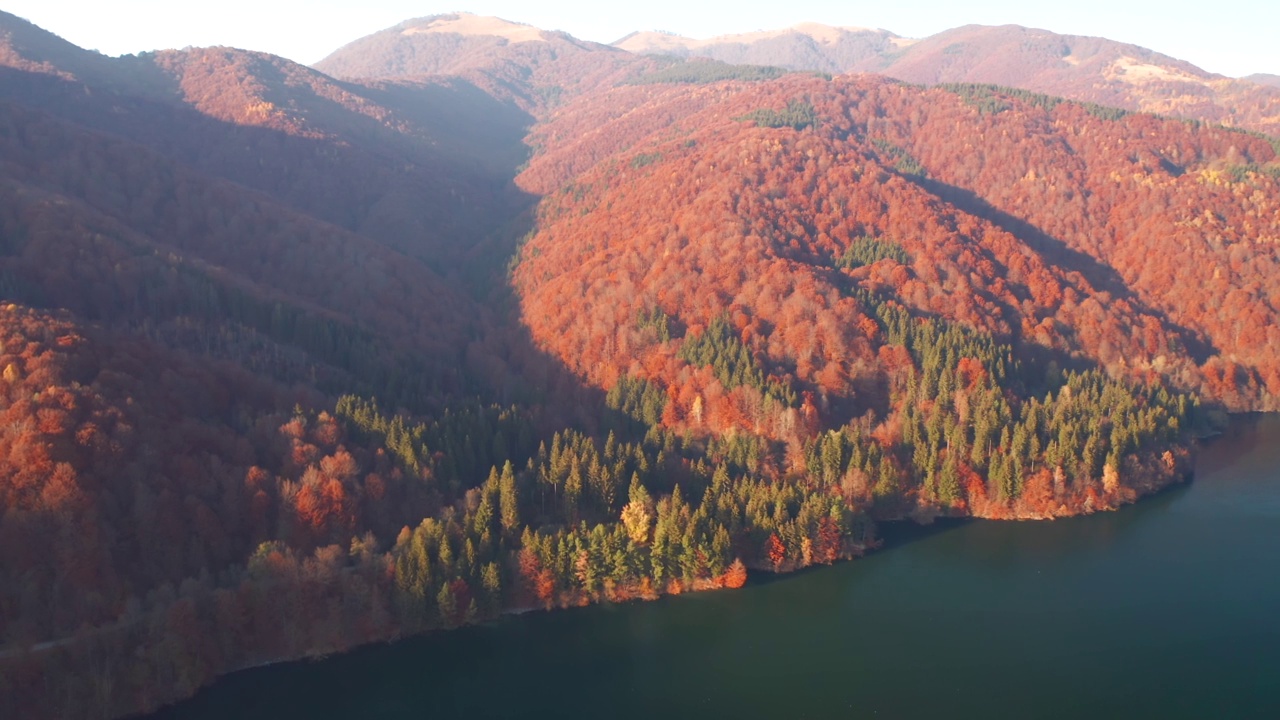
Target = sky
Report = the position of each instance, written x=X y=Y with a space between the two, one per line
x=1236 y=38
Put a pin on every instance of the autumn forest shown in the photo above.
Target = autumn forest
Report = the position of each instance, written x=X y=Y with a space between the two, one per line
x=464 y=321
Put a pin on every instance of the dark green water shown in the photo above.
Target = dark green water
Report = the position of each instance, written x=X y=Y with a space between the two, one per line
x=1170 y=608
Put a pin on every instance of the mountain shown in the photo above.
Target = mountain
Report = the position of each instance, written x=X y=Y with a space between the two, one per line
x=318 y=145
x=198 y=248
x=26 y=47
x=746 y=212
x=294 y=359
x=533 y=68
x=1264 y=79
x=808 y=46
x=1089 y=69
x=444 y=44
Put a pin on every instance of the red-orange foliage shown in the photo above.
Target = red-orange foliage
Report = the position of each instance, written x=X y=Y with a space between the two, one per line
x=724 y=217
x=775 y=551
x=158 y=492
x=130 y=457
x=736 y=576
x=545 y=587
x=826 y=549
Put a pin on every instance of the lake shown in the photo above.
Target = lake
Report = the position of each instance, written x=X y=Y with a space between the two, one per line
x=1169 y=608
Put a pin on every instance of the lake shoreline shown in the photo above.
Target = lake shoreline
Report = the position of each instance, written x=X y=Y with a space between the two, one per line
x=1083 y=597
x=1163 y=476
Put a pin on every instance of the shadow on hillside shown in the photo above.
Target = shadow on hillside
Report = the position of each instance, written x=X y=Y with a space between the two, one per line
x=1056 y=252
x=440 y=192
x=429 y=178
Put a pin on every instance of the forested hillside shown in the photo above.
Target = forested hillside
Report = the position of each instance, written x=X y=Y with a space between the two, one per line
x=422 y=167
x=291 y=362
x=1032 y=227
x=779 y=260
x=198 y=248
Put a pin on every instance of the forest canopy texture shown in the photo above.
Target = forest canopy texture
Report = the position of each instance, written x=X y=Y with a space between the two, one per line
x=294 y=361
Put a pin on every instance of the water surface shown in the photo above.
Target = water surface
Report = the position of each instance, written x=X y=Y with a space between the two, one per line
x=1169 y=608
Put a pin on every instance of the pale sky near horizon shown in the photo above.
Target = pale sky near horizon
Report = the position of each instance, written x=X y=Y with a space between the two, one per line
x=1238 y=39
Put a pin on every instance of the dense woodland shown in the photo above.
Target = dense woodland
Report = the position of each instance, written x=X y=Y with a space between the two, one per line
x=1035 y=229
x=290 y=364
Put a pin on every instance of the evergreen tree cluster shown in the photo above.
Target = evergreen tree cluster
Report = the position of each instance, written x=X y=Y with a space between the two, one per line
x=702 y=72
x=742 y=452
x=456 y=448
x=849 y=460
x=644 y=159
x=720 y=348
x=962 y=417
x=638 y=399
x=657 y=321
x=899 y=158
x=868 y=250
x=798 y=115
x=587 y=520
x=447 y=569
x=993 y=99
x=1241 y=173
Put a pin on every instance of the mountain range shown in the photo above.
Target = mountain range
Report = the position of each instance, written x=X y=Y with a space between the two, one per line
x=1090 y=69
x=473 y=317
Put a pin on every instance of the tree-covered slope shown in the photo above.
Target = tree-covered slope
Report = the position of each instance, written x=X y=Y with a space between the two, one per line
x=273 y=384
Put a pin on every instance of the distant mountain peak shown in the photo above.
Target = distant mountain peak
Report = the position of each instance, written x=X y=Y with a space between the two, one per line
x=661 y=41
x=1133 y=71
x=476 y=25
x=448 y=44
x=829 y=33
x=1264 y=79
x=26 y=46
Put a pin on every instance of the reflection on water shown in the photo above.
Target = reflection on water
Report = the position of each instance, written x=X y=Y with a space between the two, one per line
x=1164 y=609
